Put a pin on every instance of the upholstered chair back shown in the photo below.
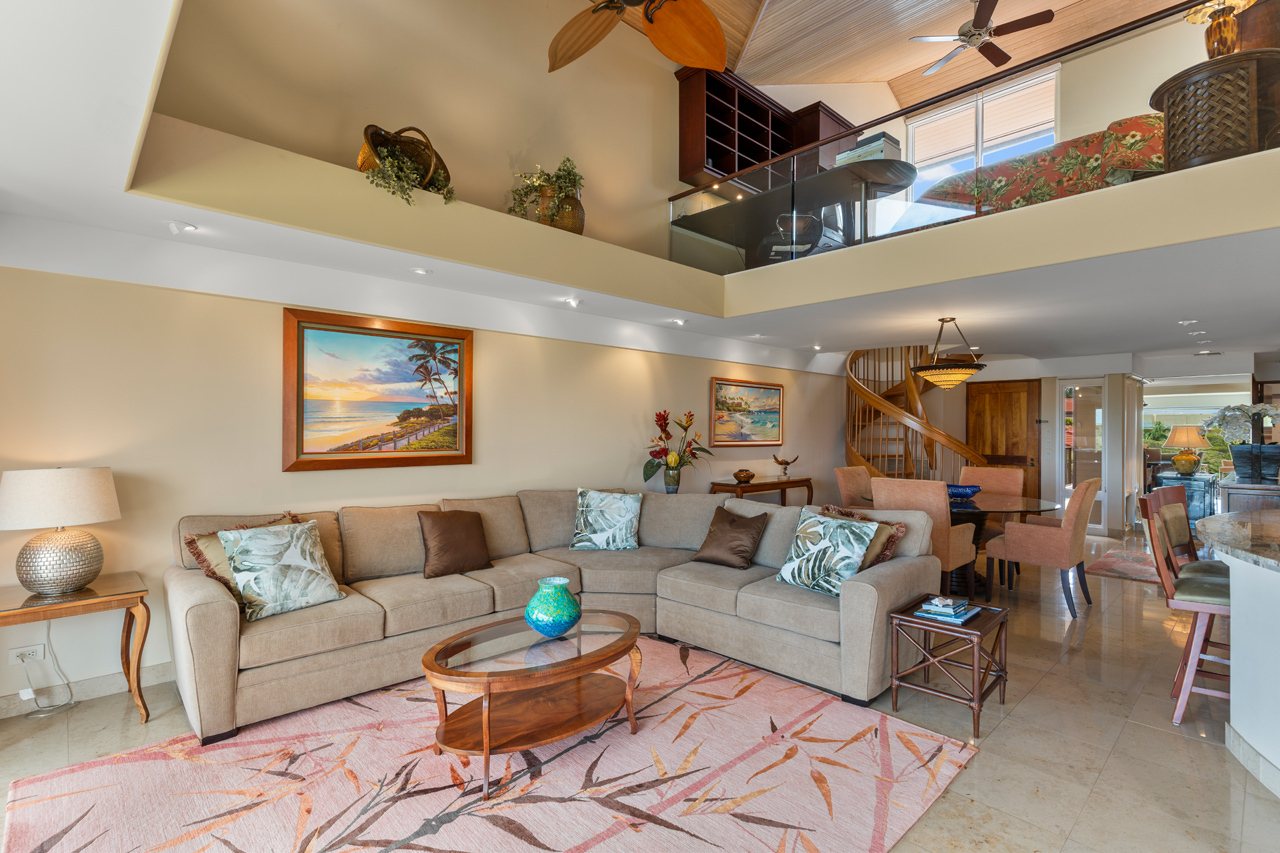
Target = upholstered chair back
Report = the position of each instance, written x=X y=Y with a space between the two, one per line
x=996 y=481
x=928 y=496
x=855 y=486
x=1076 y=517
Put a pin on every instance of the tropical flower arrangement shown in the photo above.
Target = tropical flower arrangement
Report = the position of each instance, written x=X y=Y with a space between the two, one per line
x=1236 y=422
x=661 y=454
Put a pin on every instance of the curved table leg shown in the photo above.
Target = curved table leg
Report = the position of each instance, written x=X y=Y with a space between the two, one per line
x=442 y=711
x=632 y=680
x=136 y=621
x=484 y=722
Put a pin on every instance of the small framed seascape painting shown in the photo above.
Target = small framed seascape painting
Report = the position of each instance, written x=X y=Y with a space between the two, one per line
x=361 y=392
x=745 y=414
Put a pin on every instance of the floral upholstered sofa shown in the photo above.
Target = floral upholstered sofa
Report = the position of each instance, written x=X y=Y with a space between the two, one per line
x=1129 y=148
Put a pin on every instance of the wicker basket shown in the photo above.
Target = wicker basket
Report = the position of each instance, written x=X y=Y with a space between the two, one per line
x=420 y=151
x=571 y=216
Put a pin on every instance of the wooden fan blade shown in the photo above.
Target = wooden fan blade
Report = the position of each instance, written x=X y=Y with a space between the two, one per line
x=982 y=15
x=1036 y=20
x=584 y=31
x=944 y=60
x=994 y=54
x=687 y=32
x=933 y=38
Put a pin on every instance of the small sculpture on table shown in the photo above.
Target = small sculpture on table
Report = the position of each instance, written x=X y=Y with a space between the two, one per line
x=785 y=463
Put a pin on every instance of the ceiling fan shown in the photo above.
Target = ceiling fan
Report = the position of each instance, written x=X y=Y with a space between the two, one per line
x=685 y=31
x=981 y=30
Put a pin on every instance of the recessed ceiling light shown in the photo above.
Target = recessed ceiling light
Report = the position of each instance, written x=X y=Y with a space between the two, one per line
x=739 y=196
x=715 y=186
x=1187 y=322
x=1207 y=352
x=678 y=321
x=1198 y=333
x=974 y=347
x=176 y=227
x=817 y=346
x=420 y=271
x=573 y=301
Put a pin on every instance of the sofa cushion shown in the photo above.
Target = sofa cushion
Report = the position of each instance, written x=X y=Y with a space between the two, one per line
x=514 y=580
x=827 y=551
x=709 y=586
x=330 y=537
x=503 y=523
x=334 y=625
x=606 y=521
x=454 y=541
x=779 y=533
x=621 y=571
x=918 y=540
x=678 y=521
x=732 y=539
x=382 y=541
x=413 y=602
x=279 y=569
x=791 y=608
x=549 y=515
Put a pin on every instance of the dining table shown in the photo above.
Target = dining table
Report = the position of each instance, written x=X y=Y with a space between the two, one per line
x=976 y=510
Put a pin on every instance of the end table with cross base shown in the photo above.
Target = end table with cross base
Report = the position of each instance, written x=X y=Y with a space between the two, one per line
x=960 y=646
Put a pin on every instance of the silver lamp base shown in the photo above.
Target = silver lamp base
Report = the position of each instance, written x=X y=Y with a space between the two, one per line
x=60 y=561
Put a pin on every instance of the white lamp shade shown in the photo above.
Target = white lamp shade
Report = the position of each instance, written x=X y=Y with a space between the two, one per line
x=1186 y=436
x=57 y=497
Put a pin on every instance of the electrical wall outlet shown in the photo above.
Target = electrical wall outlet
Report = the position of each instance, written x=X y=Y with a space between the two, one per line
x=31 y=653
x=26 y=693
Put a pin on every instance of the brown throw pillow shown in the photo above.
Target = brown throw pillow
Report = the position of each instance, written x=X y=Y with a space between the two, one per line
x=454 y=541
x=732 y=539
x=888 y=535
x=206 y=549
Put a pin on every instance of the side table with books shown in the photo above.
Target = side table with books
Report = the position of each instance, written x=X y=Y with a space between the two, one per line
x=953 y=635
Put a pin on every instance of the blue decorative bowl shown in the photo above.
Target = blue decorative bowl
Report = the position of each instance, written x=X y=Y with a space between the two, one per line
x=553 y=610
x=962 y=492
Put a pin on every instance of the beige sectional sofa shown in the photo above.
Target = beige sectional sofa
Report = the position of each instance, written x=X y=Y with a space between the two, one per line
x=231 y=672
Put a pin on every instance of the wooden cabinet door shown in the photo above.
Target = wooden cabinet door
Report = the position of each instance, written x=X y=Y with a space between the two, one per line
x=1003 y=425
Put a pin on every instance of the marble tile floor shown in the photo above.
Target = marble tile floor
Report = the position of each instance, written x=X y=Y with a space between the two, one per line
x=1082 y=758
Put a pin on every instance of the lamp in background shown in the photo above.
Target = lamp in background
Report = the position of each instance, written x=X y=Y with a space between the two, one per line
x=948 y=374
x=61 y=560
x=1222 y=37
x=1189 y=439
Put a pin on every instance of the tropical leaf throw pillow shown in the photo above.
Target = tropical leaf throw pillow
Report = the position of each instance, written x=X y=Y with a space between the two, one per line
x=606 y=521
x=279 y=569
x=826 y=552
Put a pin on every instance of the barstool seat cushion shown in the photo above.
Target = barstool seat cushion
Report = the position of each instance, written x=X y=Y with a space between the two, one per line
x=1214 y=591
x=1204 y=569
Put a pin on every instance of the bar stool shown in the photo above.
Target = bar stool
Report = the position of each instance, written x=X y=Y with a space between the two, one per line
x=1205 y=596
x=1172 y=504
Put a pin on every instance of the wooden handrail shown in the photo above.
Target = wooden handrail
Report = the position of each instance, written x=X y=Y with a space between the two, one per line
x=904 y=417
x=1003 y=74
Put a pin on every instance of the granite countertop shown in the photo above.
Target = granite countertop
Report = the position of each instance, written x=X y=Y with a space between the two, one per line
x=1253 y=537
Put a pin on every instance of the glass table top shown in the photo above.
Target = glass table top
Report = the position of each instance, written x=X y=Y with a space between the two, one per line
x=993 y=503
x=17 y=598
x=511 y=647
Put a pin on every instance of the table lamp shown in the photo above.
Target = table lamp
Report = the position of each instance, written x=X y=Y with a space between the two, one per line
x=1189 y=439
x=62 y=560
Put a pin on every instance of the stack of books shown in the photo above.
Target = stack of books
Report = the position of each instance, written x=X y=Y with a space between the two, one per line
x=953 y=611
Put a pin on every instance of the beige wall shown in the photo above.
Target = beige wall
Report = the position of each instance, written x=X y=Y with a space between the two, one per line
x=180 y=394
x=298 y=75
x=1116 y=81
x=857 y=102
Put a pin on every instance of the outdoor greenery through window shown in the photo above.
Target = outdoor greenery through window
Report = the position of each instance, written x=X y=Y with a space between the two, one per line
x=984 y=128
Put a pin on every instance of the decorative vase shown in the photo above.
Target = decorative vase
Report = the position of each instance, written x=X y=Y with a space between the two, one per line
x=671 y=479
x=553 y=610
x=744 y=475
x=1186 y=462
x=1256 y=461
x=1222 y=36
x=571 y=216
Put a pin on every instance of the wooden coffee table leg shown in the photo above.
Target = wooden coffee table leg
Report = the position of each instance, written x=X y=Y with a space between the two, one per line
x=484 y=719
x=632 y=680
x=139 y=620
x=442 y=711
x=976 y=700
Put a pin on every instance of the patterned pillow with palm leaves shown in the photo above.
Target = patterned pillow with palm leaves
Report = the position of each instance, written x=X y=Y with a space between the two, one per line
x=826 y=552
x=279 y=569
x=606 y=521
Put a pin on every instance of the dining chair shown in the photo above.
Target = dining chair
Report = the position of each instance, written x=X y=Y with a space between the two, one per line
x=994 y=481
x=953 y=545
x=1051 y=543
x=855 y=486
x=1205 y=596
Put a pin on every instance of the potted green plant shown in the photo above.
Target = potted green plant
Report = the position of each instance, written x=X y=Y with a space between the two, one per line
x=558 y=195
x=663 y=458
x=400 y=164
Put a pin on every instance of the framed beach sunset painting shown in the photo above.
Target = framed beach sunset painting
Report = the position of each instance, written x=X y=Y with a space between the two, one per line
x=361 y=392
x=745 y=414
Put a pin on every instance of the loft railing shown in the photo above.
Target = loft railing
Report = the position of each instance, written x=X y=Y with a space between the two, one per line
x=836 y=192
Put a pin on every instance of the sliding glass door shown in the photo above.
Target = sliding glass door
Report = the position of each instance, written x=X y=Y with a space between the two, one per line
x=1082 y=433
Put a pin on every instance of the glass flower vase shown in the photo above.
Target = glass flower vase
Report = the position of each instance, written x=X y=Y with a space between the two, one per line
x=553 y=610
x=671 y=479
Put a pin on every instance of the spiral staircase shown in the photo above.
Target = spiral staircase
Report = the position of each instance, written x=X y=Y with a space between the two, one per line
x=886 y=428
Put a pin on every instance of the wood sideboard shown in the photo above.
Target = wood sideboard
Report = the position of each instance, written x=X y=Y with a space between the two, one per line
x=1239 y=496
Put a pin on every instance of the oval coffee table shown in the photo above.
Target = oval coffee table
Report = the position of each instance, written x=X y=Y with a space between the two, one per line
x=533 y=690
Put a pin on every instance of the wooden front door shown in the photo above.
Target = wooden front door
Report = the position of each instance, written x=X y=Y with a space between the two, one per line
x=1003 y=425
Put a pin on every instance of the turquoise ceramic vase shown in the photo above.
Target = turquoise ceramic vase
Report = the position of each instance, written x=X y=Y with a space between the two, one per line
x=553 y=610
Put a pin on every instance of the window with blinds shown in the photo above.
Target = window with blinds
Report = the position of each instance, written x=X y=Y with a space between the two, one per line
x=982 y=129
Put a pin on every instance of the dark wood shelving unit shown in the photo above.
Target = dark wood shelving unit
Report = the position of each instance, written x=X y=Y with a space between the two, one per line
x=727 y=125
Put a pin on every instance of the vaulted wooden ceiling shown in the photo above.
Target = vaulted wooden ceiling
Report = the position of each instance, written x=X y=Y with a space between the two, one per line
x=775 y=42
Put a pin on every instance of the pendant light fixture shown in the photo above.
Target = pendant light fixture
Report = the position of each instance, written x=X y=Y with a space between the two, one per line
x=948 y=374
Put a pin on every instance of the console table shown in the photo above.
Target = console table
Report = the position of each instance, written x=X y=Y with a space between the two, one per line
x=120 y=591
x=765 y=484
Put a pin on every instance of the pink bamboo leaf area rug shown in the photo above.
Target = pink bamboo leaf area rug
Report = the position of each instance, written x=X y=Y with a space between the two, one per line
x=1126 y=565
x=728 y=757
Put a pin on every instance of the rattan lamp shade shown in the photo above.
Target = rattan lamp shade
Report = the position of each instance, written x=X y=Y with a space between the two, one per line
x=62 y=560
x=1203 y=13
x=1186 y=436
x=947 y=375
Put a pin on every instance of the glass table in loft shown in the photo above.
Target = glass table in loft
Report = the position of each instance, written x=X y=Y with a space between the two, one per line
x=763 y=217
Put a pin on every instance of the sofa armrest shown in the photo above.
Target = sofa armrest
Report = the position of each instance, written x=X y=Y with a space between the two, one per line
x=204 y=640
x=866 y=599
